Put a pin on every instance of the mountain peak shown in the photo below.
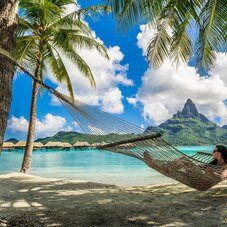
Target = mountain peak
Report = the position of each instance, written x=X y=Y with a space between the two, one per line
x=190 y=111
x=189 y=102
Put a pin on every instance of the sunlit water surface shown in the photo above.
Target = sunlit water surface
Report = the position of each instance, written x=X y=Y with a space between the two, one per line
x=90 y=165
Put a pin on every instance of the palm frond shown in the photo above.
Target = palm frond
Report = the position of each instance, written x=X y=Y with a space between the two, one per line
x=49 y=34
x=181 y=45
x=68 y=50
x=128 y=12
x=158 y=48
x=76 y=39
x=58 y=69
x=5 y=53
x=92 y=11
x=24 y=26
x=212 y=33
x=40 y=11
x=177 y=16
x=70 y=23
x=205 y=56
x=26 y=51
x=152 y=9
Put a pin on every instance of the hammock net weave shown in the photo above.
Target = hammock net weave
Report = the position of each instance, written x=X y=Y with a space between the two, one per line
x=119 y=136
x=116 y=135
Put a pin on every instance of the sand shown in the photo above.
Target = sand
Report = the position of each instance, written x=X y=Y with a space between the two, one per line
x=31 y=201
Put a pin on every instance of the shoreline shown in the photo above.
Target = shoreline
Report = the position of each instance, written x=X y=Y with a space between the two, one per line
x=27 y=200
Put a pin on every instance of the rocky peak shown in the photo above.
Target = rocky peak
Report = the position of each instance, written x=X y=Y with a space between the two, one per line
x=190 y=110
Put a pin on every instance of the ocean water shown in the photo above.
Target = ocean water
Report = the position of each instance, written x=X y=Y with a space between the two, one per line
x=90 y=165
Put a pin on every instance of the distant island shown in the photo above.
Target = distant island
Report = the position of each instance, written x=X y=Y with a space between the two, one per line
x=186 y=127
x=189 y=127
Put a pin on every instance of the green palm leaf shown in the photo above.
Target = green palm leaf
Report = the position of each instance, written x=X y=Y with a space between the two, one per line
x=54 y=60
x=70 y=52
x=207 y=17
x=46 y=34
x=212 y=35
x=158 y=48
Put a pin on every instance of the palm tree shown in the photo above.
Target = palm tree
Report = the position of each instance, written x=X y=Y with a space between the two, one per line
x=8 y=28
x=45 y=33
x=207 y=18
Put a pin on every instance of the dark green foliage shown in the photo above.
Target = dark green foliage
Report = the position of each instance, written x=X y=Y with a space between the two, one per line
x=13 y=140
x=186 y=127
x=206 y=18
x=192 y=132
x=176 y=131
x=189 y=127
x=73 y=137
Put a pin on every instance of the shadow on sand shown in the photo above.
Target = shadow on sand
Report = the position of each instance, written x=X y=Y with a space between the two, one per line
x=33 y=201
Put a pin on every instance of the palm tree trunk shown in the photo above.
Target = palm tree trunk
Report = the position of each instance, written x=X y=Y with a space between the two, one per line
x=31 y=129
x=8 y=28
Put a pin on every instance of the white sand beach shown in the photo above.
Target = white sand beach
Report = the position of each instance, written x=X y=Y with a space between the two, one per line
x=31 y=201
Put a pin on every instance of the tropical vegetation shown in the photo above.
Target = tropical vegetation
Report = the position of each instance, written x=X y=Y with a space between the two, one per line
x=47 y=35
x=186 y=127
x=73 y=137
x=191 y=131
x=173 y=20
x=176 y=131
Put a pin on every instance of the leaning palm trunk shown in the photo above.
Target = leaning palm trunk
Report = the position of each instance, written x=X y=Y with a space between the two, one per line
x=31 y=129
x=8 y=28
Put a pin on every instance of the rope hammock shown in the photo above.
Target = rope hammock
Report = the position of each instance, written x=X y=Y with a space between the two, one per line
x=122 y=137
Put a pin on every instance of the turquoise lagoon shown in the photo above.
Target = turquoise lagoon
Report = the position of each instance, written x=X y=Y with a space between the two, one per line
x=90 y=165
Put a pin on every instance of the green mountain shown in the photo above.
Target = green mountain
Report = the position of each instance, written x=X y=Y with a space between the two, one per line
x=189 y=127
x=73 y=137
x=13 y=140
x=186 y=127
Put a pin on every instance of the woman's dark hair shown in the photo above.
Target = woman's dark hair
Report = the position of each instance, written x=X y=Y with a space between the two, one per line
x=223 y=150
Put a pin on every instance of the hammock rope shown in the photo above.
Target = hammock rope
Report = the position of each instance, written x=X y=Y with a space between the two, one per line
x=194 y=171
x=125 y=138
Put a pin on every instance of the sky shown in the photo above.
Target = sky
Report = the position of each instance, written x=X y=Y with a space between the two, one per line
x=126 y=86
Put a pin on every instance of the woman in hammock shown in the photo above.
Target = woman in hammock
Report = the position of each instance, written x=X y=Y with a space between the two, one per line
x=220 y=155
x=220 y=158
x=187 y=167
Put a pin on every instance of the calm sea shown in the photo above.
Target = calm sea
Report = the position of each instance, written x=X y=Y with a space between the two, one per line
x=91 y=165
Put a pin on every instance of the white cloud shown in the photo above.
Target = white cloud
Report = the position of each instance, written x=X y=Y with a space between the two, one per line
x=18 y=124
x=144 y=37
x=48 y=126
x=220 y=67
x=165 y=90
x=112 y=101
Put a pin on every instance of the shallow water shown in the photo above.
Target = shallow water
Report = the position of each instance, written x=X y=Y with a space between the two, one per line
x=91 y=165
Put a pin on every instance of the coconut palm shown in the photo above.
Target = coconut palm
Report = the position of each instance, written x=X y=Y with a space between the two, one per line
x=46 y=34
x=8 y=27
x=206 y=17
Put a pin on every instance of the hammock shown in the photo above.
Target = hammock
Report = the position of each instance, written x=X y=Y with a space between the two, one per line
x=119 y=136
x=122 y=137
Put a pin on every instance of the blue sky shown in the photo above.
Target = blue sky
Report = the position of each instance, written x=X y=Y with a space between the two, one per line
x=126 y=86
